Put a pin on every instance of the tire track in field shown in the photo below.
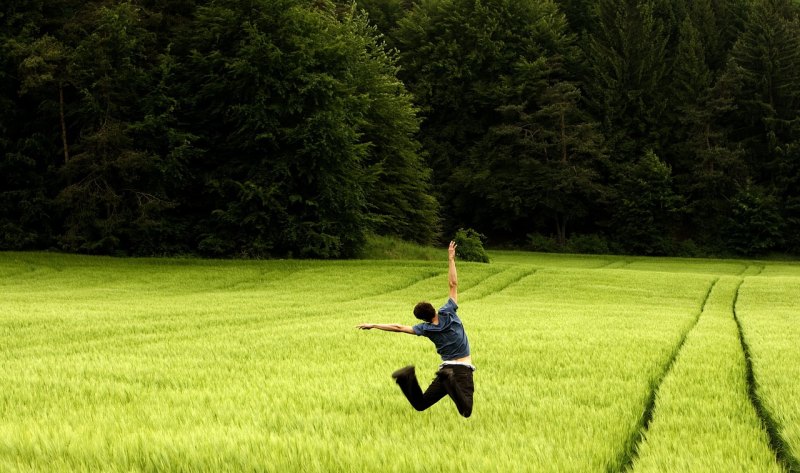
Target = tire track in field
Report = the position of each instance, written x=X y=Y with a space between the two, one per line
x=416 y=280
x=776 y=441
x=514 y=279
x=753 y=270
x=744 y=270
x=617 y=264
x=16 y=272
x=632 y=449
x=607 y=265
x=28 y=268
x=429 y=275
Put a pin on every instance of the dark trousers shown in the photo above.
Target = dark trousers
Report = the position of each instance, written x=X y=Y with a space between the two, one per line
x=453 y=380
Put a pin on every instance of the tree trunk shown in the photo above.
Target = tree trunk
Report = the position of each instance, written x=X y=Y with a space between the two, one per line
x=63 y=121
x=561 y=229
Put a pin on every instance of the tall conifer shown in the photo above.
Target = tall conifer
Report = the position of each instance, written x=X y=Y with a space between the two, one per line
x=766 y=66
x=628 y=66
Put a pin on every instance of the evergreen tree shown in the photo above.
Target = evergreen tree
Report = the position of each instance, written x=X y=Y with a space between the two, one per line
x=265 y=90
x=305 y=130
x=385 y=14
x=538 y=169
x=691 y=86
x=766 y=67
x=628 y=69
x=765 y=73
x=25 y=217
x=754 y=226
x=579 y=14
x=464 y=60
x=572 y=148
x=716 y=24
x=646 y=206
x=118 y=183
x=788 y=190
x=708 y=167
x=280 y=127
x=397 y=191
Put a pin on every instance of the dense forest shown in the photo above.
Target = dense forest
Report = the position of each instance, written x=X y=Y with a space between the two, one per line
x=273 y=128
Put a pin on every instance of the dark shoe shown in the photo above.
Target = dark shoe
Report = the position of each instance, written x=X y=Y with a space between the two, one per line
x=404 y=372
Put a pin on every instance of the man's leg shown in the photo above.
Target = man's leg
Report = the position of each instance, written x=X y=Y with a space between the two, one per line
x=457 y=380
x=406 y=378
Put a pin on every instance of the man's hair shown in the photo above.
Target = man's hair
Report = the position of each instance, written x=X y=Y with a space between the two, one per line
x=424 y=311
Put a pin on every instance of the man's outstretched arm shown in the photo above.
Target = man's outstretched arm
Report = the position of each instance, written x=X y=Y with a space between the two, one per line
x=387 y=327
x=451 y=274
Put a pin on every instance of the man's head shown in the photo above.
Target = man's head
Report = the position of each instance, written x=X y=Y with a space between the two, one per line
x=424 y=311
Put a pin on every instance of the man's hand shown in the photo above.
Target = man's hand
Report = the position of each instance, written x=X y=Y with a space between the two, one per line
x=451 y=251
x=365 y=326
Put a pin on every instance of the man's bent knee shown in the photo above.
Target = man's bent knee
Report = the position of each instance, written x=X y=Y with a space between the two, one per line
x=404 y=373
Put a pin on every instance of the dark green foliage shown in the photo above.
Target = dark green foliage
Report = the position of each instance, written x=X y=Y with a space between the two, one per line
x=708 y=167
x=593 y=244
x=120 y=180
x=579 y=13
x=754 y=224
x=589 y=244
x=26 y=219
x=503 y=127
x=398 y=191
x=457 y=58
x=538 y=165
x=717 y=24
x=258 y=128
x=118 y=197
x=627 y=54
x=544 y=244
x=246 y=128
x=788 y=188
x=765 y=68
x=645 y=206
x=266 y=87
x=307 y=133
x=385 y=14
x=470 y=246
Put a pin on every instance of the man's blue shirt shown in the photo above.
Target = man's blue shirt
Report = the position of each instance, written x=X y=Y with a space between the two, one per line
x=448 y=335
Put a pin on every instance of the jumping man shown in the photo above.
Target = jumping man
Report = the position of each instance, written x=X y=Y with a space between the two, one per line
x=445 y=330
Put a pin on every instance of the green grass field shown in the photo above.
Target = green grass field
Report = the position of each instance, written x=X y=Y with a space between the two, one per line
x=585 y=364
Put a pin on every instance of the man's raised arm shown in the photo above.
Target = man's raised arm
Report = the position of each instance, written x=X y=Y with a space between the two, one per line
x=451 y=274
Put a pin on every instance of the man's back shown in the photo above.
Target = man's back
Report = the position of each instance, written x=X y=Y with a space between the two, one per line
x=448 y=334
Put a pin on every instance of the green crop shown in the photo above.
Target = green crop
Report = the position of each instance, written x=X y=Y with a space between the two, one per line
x=703 y=419
x=200 y=365
x=768 y=309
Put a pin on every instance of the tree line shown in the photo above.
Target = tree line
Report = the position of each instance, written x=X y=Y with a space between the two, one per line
x=298 y=127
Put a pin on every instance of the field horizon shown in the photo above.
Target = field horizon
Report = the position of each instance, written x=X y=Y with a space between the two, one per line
x=585 y=363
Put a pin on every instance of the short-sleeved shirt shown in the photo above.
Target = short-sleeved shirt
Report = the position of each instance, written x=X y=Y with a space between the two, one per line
x=448 y=335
